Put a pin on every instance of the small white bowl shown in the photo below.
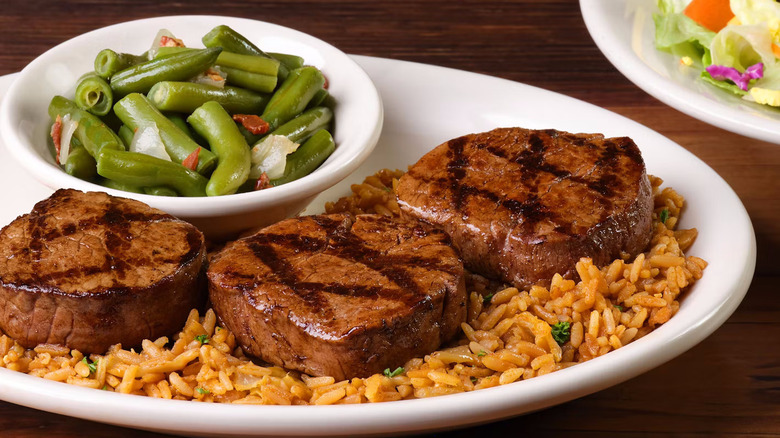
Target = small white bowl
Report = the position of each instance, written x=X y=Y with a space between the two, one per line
x=24 y=121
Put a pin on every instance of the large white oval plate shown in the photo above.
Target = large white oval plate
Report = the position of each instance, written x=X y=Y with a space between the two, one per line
x=425 y=106
x=625 y=33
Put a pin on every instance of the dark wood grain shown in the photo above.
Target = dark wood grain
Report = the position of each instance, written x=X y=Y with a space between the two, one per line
x=727 y=385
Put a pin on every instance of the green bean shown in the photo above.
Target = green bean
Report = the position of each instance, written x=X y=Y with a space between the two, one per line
x=236 y=61
x=179 y=120
x=177 y=67
x=93 y=94
x=136 y=111
x=293 y=96
x=186 y=96
x=91 y=131
x=214 y=123
x=116 y=185
x=230 y=40
x=252 y=81
x=306 y=124
x=290 y=61
x=250 y=63
x=126 y=134
x=307 y=158
x=108 y=62
x=143 y=170
x=160 y=191
x=79 y=162
x=319 y=98
x=180 y=123
x=163 y=52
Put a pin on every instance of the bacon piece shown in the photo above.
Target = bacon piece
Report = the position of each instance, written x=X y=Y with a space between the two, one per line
x=263 y=182
x=191 y=162
x=166 y=41
x=252 y=123
x=214 y=75
x=56 y=136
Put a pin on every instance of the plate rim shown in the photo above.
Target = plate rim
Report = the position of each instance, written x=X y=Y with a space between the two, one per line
x=450 y=411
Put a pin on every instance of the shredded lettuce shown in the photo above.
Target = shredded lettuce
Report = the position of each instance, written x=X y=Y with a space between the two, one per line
x=679 y=35
x=742 y=46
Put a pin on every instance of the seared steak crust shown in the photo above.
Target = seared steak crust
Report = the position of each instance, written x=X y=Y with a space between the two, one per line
x=88 y=270
x=329 y=295
x=524 y=204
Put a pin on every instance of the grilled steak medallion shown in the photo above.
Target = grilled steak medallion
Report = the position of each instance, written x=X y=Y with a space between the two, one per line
x=329 y=295
x=88 y=270
x=524 y=204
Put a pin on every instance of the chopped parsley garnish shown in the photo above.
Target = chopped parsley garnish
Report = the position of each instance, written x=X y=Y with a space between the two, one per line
x=664 y=215
x=619 y=307
x=92 y=366
x=481 y=353
x=105 y=388
x=397 y=371
x=202 y=391
x=473 y=379
x=561 y=332
x=203 y=339
x=486 y=299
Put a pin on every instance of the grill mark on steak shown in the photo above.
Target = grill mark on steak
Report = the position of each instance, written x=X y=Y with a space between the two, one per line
x=115 y=223
x=457 y=168
x=347 y=246
x=533 y=162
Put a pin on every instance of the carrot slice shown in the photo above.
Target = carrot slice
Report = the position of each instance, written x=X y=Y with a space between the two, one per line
x=776 y=50
x=712 y=14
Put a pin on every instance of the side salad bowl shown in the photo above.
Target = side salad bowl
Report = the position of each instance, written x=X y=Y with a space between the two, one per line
x=358 y=116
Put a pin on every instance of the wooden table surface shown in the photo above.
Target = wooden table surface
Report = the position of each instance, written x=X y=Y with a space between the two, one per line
x=727 y=385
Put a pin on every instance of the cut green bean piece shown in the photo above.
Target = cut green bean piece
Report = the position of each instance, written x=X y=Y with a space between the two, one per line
x=293 y=96
x=308 y=157
x=180 y=123
x=136 y=111
x=108 y=62
x=290 y=61
x=163 y=52
x=126 y=134
x=250 y=63
x=251 y=81
x=319 y=98
x=93 y=94
x=185 y=97
x=214 y=123
x=177 y=67
x=232 y=41
x=306 y=124
x=141 y=170
x=91 y=132
x=116 y=185
x=80 y=163
x=160 y=191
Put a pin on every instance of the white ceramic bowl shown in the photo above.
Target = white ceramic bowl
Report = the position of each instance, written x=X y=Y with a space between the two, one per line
x=24 y=121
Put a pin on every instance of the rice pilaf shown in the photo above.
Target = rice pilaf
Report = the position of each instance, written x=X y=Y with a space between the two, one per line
x=510 y=335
